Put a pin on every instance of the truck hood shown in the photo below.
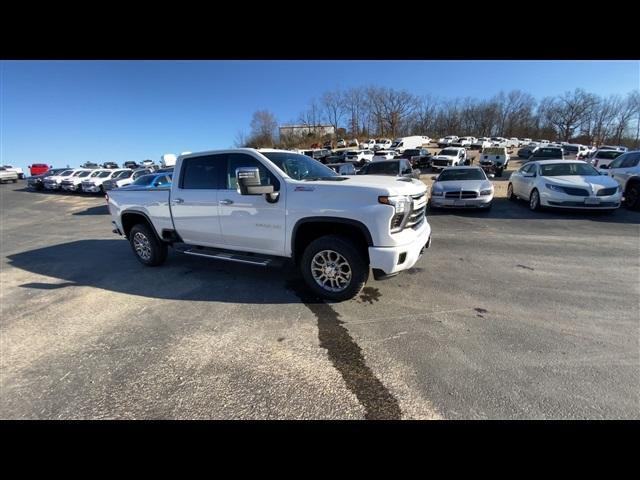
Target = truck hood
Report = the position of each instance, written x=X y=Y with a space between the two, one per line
x=384 y=185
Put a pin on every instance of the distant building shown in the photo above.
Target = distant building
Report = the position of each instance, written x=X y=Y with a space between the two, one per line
x=302 y=130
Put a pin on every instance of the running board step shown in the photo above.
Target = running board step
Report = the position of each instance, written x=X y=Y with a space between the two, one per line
x=259 y=260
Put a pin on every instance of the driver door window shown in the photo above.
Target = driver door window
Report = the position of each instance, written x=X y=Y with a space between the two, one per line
x=236 y=160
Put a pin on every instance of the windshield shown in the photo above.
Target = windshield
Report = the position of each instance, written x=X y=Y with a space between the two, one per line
x=84 y=174
x=451 y=153
x=299 y=167
x=462 y=174
x=494 y=151
x=381 y=168
x=104 y=174
x=125 y=174
x=564 y=169
x=411 y=152
x=95 y=174
x=66 y=173
x=608 y=154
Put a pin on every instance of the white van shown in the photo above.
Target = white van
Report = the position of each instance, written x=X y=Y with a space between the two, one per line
x=403 y=143
x=167 y=160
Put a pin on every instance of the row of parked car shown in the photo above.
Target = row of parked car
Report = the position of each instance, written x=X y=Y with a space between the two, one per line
x=101 y=180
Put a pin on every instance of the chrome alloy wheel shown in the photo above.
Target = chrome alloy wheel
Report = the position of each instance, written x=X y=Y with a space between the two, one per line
x=331 y=270
x=142 y=246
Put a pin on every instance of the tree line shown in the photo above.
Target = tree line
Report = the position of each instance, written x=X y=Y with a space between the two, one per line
x=372 y=112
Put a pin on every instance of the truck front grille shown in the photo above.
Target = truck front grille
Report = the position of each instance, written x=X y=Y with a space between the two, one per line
x=461 y=194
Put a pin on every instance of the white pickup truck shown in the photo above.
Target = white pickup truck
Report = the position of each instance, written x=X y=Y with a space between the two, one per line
x=263 y=206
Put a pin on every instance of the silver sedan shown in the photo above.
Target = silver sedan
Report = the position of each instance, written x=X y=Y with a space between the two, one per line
x=461 y=187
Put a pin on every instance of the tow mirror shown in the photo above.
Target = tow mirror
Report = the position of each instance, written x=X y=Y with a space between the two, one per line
x=249 y=182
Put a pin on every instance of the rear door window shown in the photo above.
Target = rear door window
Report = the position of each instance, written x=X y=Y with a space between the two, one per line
x=203 y=173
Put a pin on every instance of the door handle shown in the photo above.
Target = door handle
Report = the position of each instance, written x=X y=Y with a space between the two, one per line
x=225 y=202
x=178 y=200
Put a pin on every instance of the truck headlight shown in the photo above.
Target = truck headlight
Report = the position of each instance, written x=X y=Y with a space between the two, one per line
x=437 y=193
x=401 y=203
x=402 y=206
x=486 y=192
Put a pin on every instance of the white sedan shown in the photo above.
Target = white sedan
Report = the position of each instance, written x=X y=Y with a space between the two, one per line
x=564 y=184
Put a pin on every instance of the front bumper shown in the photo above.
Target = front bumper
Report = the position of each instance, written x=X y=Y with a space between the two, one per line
x=90 y=188
x=479 y=202
x=69 y=188
x=562 y=200
x=392 y=260
x=52 y=186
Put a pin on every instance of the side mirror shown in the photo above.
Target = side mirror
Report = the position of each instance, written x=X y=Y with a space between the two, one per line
x=249 y=182
x=434 y=178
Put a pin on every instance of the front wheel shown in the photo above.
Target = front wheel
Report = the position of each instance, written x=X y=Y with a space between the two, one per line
x=534 y=201
x=510 y=194
x=148 y=249
x=632 y=197
x=334 y=268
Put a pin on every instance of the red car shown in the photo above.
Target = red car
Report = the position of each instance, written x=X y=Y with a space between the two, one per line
x=39 y=168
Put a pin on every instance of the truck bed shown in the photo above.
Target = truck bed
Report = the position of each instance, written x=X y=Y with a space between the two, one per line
x=153 y=202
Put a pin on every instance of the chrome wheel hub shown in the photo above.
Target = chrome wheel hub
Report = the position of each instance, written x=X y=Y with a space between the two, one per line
x=331 y=270
x=142 y=246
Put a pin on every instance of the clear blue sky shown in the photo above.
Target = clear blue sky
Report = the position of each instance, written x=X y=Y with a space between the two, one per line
x=68 y=112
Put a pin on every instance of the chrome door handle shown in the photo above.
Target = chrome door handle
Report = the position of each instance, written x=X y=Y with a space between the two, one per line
x=178 y=200
x=225 y=202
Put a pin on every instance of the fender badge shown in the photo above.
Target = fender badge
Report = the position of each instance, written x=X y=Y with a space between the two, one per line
x=304 y=189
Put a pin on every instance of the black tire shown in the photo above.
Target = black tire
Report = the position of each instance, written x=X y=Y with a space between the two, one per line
x=15 y=180
x=534 y=201
x=349 y=252
x=430 y=206
x=157 y=251
x=632 y=196
x=510 y=194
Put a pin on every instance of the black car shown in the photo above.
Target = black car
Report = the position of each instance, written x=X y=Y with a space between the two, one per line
x=90 y=165
x=419 y=157
x=547 y=153
x=109 y=165
x=35 y=182
x=525 y=152
x=345 y=168
x=397 y=168
x=132 y=165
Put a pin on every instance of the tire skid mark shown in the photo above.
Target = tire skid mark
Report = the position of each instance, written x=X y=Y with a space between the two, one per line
x=347 y=358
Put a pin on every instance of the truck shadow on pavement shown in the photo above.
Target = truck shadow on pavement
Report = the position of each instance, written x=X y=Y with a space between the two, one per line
x=99 y=210
x=110 y=265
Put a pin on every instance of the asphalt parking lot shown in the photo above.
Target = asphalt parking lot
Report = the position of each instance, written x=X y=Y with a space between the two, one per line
x=511 y=314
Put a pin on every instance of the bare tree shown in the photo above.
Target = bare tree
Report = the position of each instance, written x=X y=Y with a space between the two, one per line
x=263 y=128
x=396 y=106
x=354 y=100
x=332 y=105
x=241 y=139
x=569 y=111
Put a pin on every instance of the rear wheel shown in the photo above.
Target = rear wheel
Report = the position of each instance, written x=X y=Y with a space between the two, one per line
x=147 y=248
x=334 y=268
